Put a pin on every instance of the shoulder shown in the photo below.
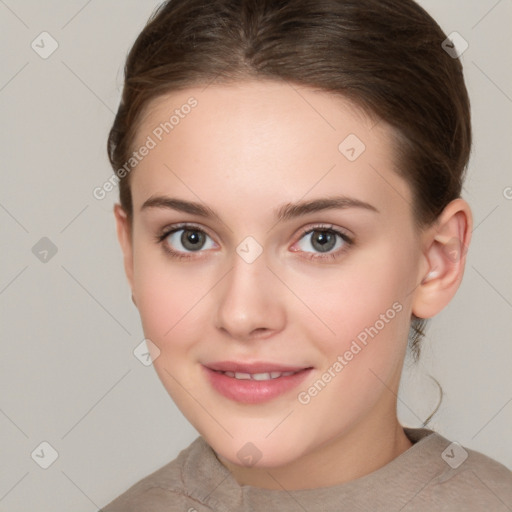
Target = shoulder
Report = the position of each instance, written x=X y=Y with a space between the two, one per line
x=465 y=477
x=481 y=478
x=162 y=490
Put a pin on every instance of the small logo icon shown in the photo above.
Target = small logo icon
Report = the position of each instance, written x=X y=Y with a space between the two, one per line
x=249 y=249
x=44 y=250
x=44 y=455
x=454 y=455
x=249 y=454
x=44 y=45
x=352 y=147
x=455 y=45
x=455 y=249
x=146 y=352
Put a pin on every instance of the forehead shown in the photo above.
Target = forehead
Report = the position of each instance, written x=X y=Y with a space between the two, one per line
x=265 y=139
x=254 y=108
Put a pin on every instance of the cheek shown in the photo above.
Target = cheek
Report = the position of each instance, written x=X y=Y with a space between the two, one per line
x=359 y=293
x=167 y=295
x=366 y=307
x=169 y=304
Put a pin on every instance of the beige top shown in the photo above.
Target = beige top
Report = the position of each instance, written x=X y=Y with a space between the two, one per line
x=432 y=475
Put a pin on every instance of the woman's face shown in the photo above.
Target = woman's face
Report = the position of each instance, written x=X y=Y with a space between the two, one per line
x=299 y=254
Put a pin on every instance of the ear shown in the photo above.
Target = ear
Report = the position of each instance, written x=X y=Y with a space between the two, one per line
x=124 y=235
x=445 y=245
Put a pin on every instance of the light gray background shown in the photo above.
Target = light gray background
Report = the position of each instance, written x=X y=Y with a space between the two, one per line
x=68 y=375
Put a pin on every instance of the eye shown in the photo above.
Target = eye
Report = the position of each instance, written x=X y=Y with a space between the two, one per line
x=324 y=240
x=181 y=241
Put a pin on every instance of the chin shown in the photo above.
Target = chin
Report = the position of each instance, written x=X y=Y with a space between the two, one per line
x=258 y=452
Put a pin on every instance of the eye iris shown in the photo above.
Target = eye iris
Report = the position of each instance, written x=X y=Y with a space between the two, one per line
x=323 y=241
x=192 y=240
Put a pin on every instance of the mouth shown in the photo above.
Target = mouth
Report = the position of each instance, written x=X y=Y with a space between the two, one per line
x=257 y=376
x=254 y=383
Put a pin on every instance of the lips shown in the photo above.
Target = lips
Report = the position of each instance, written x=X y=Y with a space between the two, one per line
x=253 y=368
x=253 y=383
x=257 y=376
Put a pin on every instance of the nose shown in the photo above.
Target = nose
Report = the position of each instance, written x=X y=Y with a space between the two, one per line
x=251 y=301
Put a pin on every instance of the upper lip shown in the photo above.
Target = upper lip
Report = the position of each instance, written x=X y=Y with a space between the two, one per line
x=255 y=367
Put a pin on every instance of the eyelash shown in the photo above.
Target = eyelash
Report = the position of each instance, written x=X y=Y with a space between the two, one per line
x=348 y=241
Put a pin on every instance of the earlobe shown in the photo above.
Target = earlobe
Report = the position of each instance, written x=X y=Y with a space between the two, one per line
x=445 y=247
x=123 y=227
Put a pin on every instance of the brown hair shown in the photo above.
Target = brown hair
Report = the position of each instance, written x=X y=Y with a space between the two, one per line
x=385 y=56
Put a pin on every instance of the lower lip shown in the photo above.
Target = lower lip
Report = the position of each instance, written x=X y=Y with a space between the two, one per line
x=250 y=391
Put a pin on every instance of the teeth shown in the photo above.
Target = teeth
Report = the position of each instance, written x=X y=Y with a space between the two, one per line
x=262 y=376
x=258 y=376
x=244 y=376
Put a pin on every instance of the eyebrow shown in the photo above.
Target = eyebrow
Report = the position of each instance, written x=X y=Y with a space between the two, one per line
x=283 y=213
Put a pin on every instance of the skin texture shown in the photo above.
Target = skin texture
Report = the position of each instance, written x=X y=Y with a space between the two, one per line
x=245 y=150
